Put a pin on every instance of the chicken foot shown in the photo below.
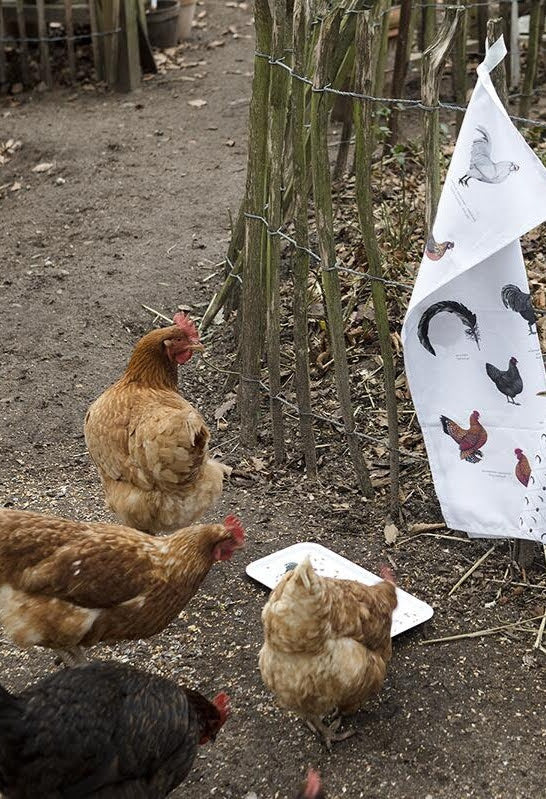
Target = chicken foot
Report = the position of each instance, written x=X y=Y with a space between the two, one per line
x=74 y=656
x=328 y=732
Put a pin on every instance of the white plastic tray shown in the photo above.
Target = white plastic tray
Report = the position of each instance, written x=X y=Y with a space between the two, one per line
x=409 y=613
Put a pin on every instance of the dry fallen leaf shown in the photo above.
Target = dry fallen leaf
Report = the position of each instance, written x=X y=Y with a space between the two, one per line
x=391 y=533
x=16 y=186
x=258 y=464
x=216 y=43
x=226 y=406
x=230 y=143
x=197 y=103
x=45 y=166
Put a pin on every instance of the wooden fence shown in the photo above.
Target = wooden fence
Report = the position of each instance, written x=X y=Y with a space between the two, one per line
x=30 y=32
x=306 y=60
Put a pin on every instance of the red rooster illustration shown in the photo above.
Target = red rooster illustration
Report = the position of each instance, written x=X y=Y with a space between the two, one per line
x=470 y=441
x=523 y=468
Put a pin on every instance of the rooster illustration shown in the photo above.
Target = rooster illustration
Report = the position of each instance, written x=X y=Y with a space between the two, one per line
x=466 y=316
x=434 y=250
x=523 y=468
x=482 y=167
x=509 y=382
x=519 y=301
x=470 y=441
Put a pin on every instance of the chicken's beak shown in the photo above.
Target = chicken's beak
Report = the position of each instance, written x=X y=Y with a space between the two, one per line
x=196 y=347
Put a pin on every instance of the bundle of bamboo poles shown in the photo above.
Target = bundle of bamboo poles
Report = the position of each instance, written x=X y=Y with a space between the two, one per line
x=305 y=54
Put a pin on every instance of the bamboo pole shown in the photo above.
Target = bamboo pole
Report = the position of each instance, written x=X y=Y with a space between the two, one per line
x=401 y=61
x=112 y=44
x=69 y=26
x=279 y=87
x=515 y=65
x=3 y=75
x=381 y=41
x=505 y=11
x=431 y=71
x=97 y=60
x=524 y=551
x=458 y=65
x=252 y=291
x=324 y=218
x=534 y=39
x=365 y=69
x=429 y=23
x=301 y=234
x=481 y=25
x=45 y=66
x=21 y=27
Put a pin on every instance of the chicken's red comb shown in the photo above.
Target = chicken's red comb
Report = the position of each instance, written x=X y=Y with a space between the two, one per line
x=386 y=573
x=233 y=524
x=222 y=702
x=313 y=785
x=185 y=323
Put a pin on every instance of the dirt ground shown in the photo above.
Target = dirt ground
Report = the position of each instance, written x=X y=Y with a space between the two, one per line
x=135 y=211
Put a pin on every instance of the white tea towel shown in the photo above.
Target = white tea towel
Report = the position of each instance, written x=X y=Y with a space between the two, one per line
x=471 y=348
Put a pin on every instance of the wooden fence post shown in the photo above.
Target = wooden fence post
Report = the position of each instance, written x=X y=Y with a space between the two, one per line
x=535 y=35
x=22 y=29
x=69 y=26
x=45 y=66
x=458 y=65
x=322 y=191
x=279 y=89
x=401 y=61
x=433 y=63
x=301 y=234
x=252 y=305
x=365 y=69
x=129 y=73
x=3 y=74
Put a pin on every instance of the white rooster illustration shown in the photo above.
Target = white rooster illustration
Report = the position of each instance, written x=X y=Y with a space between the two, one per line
x=482 y=167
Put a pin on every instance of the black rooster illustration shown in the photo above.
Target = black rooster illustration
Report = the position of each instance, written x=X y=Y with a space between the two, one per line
x=436 y=250
x=482 y=167
x=509 y=382
x=519 y=301
x=449 y=306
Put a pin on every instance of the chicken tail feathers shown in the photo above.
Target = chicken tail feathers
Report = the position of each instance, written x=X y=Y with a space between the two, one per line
x=467 y=317
x=484 y=133
x=492 y=371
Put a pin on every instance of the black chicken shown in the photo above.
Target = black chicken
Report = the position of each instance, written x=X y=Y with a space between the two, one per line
x=509 y=382
x=103 y=730
x=517 y=300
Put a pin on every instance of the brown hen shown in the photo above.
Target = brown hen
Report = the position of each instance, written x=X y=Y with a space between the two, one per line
x=327 y=644
x=148 y=443
x=66 y=584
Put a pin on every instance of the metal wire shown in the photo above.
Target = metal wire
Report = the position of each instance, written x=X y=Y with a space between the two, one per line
x=402 y=103
x=48 y=39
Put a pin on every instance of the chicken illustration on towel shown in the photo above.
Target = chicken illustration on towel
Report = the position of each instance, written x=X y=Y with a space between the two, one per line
x=482 y=167
x=520 y=302
x=523 y=467
x=508 y=382
x=436 y=250
x=470 y=441
x=468 y=319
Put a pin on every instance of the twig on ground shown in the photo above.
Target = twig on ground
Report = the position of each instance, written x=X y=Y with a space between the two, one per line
x=479 y=633
x=423 y=527
x=472 y=569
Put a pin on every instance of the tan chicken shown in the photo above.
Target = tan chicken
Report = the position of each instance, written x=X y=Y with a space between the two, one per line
x=148 y=443
x=327 y=644
x=66 y=585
